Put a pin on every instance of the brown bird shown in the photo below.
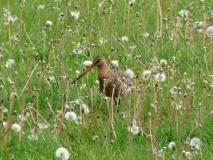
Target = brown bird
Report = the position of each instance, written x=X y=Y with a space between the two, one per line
x=112 y=82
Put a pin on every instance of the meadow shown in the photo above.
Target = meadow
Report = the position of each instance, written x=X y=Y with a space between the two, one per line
x=167 y=46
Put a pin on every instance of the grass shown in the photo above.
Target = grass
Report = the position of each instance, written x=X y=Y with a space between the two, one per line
x=49 y=51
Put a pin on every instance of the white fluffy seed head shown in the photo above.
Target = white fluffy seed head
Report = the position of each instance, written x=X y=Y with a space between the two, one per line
x=195 y=143
x=160 y=77
x=71 y=116
x=172 y=145
x=49 y=23
x=209 y=31
x=9 y=63
x=87 y=63
x=130 y=73
x=16 y=127
x=163 y=62
x=62 y=153
x=85 y=108
x=146 y=75
x=114 y=62
x=124 y=39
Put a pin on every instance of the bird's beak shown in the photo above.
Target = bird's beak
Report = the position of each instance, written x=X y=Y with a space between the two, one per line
x=84 y=73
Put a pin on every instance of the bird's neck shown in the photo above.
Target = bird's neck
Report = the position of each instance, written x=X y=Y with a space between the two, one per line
x=103 y=71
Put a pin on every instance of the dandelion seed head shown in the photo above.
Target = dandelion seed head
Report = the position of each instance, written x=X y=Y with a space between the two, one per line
x=209 y=31
x=10 y=63
x=87 y=63
x=62 y=153
x=172 y=145
x=49 y=23
x=124 y=39
x=16 y=127
x=130 y=73
x=71 y=116
x=114 y=62
x=146 y=75
x=75 y=14
x=195 y=143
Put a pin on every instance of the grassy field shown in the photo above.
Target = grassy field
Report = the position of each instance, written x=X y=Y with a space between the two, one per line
x=43 y=45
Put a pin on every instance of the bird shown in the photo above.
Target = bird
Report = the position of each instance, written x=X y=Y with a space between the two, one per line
x=112 y=81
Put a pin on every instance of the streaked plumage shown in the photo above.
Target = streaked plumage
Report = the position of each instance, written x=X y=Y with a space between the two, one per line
x=112 y=81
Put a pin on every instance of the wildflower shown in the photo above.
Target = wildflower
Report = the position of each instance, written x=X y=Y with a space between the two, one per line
x=130 y=73
x=145 y=34
x=75 y=14
x=102 y=41
x=187 y=155
x=160 y=77
x=131 y=2
x=40 y=7
x=78 y=49
x=124 y=39
x=85 y=108
x=163 y=62
x=183 y=13
x=115 y=63
x=172 y=145
x=146 y=75
x=87 y=63
x=198 y=25
x=62 y=153
x=8 y=17
x=49 y=23
x=209 y=31
x=42 y=126
x=95 y=137
x=133 y=128
x=195 y=143
x=52 y=79
x=32 y=137
x=16 y=127
x=9 y=63
x=4 y=124
x=71 y=116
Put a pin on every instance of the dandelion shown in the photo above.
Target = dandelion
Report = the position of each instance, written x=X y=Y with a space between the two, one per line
x=133 y=128
x=160 y=77
x=75 y=14
x=9 y=63
x=163 y=62
x=8 y=17
x=62 y=153
x=209 y=31
x=4 y=124
x=95 y=137
x=124 y=39
x=49 y=23
x=130 y=73
x=131 y=2
x=145 y=34
x=42 y=126
x=187 y=155
x=85 y=108
x=52 y=79
x=87 y=63
x=195 y=143
x=16 y=127
x=146 y=75
x=32 y=137
x=114 y=62
x=172 y=145
x=40 y=7
x=71 y=116
x=77 y=49
x=183 y=13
